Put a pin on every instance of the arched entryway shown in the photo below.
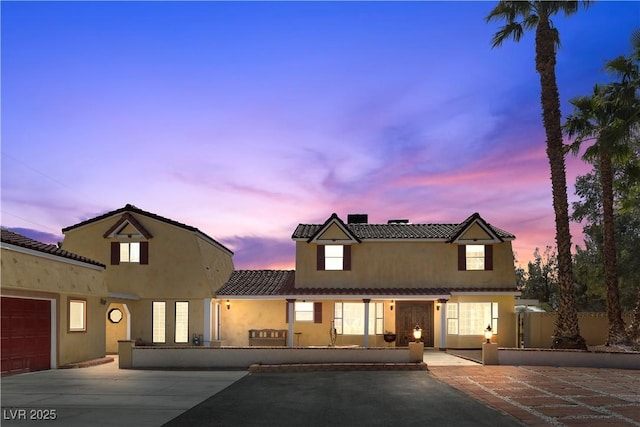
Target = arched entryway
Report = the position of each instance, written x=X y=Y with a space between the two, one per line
x=118 y=326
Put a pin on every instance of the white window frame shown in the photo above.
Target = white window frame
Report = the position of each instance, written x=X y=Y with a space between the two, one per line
x=475 y=257
x=181 y=333
x=334 y=257
x=351 y=320
x=463 y=320
x=303 y=311
x=158 y=320
x=77 y=315
x=130 y=252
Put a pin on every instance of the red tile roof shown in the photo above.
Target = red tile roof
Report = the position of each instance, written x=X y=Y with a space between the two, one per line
x=16 y=239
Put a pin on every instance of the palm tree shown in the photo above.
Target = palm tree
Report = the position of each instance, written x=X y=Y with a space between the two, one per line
x=528 y=15
x=599 y=118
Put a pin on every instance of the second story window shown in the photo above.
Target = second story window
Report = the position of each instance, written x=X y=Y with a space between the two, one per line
x=334 y=257
x=129 y=252
x=475 y=257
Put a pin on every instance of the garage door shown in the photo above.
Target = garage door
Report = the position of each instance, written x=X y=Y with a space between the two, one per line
x=26 y=335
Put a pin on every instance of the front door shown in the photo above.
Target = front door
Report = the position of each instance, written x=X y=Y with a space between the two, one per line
x=408 y=315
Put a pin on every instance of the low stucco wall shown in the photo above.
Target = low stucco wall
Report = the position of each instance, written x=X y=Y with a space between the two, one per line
x=243 y=357
x=573 y=358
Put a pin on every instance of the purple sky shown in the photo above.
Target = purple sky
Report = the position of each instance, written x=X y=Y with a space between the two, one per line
x=245 y=119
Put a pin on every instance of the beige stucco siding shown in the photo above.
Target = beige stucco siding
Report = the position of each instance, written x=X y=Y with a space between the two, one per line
x=404 y=264
x=32 y=276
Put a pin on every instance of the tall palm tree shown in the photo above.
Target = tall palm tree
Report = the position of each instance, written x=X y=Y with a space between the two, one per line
x=536 y=15
x=600 y=118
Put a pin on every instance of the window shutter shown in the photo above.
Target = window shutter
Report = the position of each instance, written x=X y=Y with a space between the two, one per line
x=115 y=253
x=347 y=257
x=488 y=257
x=462 y=257
x=144 y=252
x=320 y=257
x=317 y=312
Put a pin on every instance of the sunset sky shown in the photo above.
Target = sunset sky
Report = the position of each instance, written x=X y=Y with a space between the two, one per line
x=246 y=118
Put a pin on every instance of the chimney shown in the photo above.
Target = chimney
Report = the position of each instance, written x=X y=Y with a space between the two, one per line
x=357 y=219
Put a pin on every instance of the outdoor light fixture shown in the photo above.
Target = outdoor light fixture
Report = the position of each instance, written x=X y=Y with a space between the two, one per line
x=417 y=333
x=228 y=304
x=391 y=305
x=438 y=306
x=488 y=333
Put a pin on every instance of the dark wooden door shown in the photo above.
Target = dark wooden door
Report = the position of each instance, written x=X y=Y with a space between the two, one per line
x=26 y=335
x=408 y=315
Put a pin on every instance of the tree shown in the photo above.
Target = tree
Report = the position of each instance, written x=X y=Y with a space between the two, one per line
x=529 y=15
x=608 y=118
x=541 y=279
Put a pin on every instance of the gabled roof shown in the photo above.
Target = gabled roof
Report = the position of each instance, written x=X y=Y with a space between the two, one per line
x=127 y=219
x=401 y=231
x=15 y=239
x=258 y=282
x=334 y=220
x=133 y=209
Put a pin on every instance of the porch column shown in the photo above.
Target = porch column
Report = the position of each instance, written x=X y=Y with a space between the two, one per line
x=290 y=306
x=208 y=320
x=366 y=322
x=443 y=324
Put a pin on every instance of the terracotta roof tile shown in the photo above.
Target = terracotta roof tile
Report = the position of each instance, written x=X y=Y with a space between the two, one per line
x=16 y=239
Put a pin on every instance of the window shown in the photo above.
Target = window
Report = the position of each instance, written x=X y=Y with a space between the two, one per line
x=303 y=311
x=77 y=315
x=130 y=252
x=334 y=257
x=158 y=321
x=115 y=315
x=452 y=318
x=182 y=322
x=349 y=318
x=475 y=257
x=472 y=318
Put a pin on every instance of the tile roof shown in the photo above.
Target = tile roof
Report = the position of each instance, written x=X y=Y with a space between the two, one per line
x=131 y=208
x=282 y=282
x=16 y=239
x=258 y=282
x=401 y=230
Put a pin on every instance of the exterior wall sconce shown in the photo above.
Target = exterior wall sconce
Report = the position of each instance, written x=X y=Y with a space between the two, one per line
x=488 y=333
x=438 y=306
x=391 y=305
x=228 y=304
x=417 y=333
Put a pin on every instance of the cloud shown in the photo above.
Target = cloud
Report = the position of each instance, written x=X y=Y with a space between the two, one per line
x=260 y=252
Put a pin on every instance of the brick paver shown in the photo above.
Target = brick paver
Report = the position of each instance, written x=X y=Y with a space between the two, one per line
x=549 y=396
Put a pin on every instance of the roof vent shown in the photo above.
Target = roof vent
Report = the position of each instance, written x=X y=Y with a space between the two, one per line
x=357 y=218
x=398 y=221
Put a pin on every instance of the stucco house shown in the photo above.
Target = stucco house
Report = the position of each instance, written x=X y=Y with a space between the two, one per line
x=452 y=280
x=52 y=306
x=161 y=276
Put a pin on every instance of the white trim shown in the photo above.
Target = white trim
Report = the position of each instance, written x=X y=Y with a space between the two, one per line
x=116 y=233
x=493 y=236
x=52 y=257
x=326 y=226
x=206 y=333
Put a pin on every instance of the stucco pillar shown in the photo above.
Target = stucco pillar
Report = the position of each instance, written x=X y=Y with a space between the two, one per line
x=208 y=320
x=489 y=353
x=366 y=322
x=443 y=324
x=290 y=306
x=125 y=354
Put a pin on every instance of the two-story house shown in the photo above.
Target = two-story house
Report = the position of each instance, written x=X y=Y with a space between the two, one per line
x=52 y=306
x=451 y=280
x=161 y=276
